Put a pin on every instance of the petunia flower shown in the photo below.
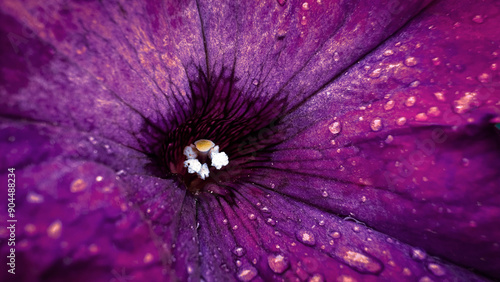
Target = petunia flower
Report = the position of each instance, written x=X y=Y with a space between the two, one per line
x=354 y=140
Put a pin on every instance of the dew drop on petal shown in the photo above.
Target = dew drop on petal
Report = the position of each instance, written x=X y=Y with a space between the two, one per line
x=335 y=235
x=247 y=273
x=483 y=78
x=251 y=216
x=336 y=56
x=436 y=61
x=282 y=2
x=439 y=96
x=410 y=101
x=389 y=139
x=34 y=198
x=277 y=263
x=255 y=82
x=401 y=121
x=389 y=105
x=425 y=279
x=316 y=278
x=335 y=127
x=305 y=6
x=361 y=262
x=418 y=254
x=375 y=73
x=271 y=221
x=54 y=230
x=478 y=19
x=239 y=251
x=433 y=112
x=78 y=185
x=388 y=52
x=410 y=61
x=376 y=124
x=421 y=117
x=494 y=66
x=306 y=237
x=324 y=194
x=436 y=269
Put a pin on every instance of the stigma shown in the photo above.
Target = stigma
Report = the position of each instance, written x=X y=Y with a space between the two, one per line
x=197 y=154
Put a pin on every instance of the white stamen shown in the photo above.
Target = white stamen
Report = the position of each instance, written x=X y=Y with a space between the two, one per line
x=200 y=149
x=190 y=153
x=218 y=159
x=204 y=172
x=193 y=165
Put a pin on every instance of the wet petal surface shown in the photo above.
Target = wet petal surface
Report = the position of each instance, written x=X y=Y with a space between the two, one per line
x=384 y=169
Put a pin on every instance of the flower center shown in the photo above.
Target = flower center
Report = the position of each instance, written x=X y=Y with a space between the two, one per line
x=219 y=139
x=197 y=153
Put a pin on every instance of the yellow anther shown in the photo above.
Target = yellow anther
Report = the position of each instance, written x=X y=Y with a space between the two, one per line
x=204 y=145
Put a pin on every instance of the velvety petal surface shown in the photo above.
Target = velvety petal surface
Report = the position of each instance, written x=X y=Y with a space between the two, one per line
x=79 y=63
x=288 y=49
x=405 y=140
x=383 y=154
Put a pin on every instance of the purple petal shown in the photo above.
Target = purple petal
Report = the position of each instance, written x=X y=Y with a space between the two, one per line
x=405 y=140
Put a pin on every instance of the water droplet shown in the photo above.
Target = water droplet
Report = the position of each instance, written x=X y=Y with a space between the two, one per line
x=265 y=209
x=306 y=237
x=425 y=279
x=316 y=278
x=54 y=230
x=239 y=251
x=282 y=2
x=92 y=140
x=418 y=254
x=415 y=83
x=376 y=124
x=271 y=221
x=433 y=112
x=277 y=263
x=305 y=6
x=363 y=199
x=463 y=104
x=478 y=19
x=224 y=221
x=335 y=235
x=494 y=66
x=439 y=96
x=321 y=223
x=324 y=194
x=235 y=227
x=483 y=78
x=361 y=262
x=389 y=139
x=375 y=73
x=406 y=271
x=421 y=117
x=410 y=101
x=247 y=273
x=401 y=121
x=34 y=198
x=356 y=228
x=78 y=185
x=436 y=269
x=388 y=52
x=465 y=162
x=98 y=178
x=303 y=21
x=255 y=82
x=335 y=127
x=436 y=61
x=336 y=56
x=251 y=216
x=410 y=61
x=389 y=105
